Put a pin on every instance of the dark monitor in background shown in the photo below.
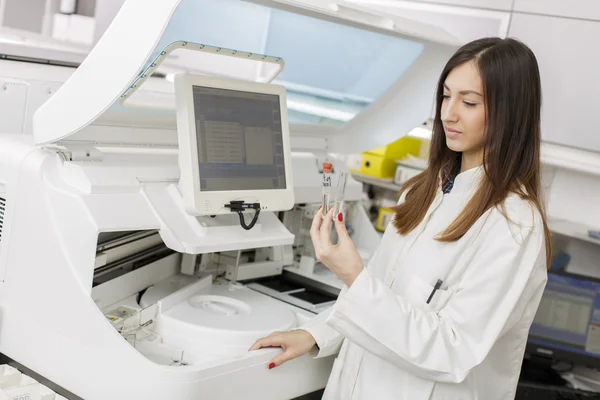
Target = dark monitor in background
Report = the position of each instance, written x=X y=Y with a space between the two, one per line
x=567 y=323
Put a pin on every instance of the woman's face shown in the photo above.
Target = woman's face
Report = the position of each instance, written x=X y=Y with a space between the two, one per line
x=463 y=110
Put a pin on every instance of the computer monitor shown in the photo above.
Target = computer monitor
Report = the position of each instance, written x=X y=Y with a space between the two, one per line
x=567 y=323
x=234 y=144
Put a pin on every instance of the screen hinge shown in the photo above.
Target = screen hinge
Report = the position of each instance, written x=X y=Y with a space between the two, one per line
x=79 y=152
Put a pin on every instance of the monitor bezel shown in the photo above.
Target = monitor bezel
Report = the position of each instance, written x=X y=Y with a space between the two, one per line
x=557 y=354
x=549 y=352
x=198 y=202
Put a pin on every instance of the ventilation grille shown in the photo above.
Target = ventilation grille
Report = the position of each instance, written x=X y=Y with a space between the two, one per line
x=2 y=213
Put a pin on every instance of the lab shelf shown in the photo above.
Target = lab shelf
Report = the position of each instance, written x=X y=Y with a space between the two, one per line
x=379 y=182
x=571 y=229
x=571 y=159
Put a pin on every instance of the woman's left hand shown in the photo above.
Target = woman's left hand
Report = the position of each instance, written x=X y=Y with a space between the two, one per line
x=342 y=258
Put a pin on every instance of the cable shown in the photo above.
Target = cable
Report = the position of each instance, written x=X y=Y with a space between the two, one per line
x=243 y=222
x=239 y=206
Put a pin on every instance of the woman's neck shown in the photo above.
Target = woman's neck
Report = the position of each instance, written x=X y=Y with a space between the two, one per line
x=471 y=160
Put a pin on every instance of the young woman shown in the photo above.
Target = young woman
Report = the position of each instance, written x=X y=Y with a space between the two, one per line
x=443 y=309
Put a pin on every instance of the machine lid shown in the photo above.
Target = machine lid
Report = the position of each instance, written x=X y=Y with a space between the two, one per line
x=132 y=48
x=220 y=309
x=223 y=321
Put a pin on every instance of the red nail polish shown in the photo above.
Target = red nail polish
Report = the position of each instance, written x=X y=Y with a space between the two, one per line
x=272 y=365
x=340 y=217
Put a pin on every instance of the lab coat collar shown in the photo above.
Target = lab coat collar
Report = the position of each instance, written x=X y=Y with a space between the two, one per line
x=468 y=181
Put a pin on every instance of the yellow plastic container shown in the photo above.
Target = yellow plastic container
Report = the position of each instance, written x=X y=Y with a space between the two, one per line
x=383 y=218
x=381 y=162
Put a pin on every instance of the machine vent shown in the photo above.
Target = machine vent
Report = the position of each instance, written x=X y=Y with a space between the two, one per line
x=2 y=212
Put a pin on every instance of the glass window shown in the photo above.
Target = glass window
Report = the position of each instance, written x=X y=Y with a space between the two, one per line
x=332 y=72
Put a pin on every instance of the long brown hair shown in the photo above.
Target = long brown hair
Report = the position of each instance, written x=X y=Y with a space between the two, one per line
x=513 y=97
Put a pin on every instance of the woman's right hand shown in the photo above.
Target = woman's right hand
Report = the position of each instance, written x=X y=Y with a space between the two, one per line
x=294 y=344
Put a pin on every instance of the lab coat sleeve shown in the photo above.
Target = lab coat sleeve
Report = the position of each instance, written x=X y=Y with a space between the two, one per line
x=328 y=339
x=444 y=345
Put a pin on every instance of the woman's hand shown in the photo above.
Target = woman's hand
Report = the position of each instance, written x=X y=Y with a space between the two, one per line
x=341 y=258
x=294 y=344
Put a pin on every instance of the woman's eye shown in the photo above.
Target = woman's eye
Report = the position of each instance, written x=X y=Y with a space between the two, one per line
x=469 y=104
x=445 y=96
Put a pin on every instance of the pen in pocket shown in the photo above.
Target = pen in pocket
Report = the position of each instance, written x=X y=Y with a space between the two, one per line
x=438 y=285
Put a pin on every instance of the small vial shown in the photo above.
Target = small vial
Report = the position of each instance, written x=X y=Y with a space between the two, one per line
x=339 y=195
x=326 y=187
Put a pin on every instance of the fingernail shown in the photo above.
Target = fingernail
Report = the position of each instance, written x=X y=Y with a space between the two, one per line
x=272 y=365
x=340 y=217
x=320 y=207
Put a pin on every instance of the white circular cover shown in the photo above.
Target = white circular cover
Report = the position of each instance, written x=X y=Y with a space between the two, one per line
x=223 y=320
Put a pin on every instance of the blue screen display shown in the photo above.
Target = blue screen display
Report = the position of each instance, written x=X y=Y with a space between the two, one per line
x=569 y=316
x=240 y=140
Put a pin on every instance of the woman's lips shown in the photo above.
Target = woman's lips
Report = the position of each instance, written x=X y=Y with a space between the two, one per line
x=452 y=133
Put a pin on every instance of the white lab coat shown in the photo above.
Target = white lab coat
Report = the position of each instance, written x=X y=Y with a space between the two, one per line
x=468 y=342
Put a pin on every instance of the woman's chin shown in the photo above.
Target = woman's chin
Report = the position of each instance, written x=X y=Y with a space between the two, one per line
x=454 y=145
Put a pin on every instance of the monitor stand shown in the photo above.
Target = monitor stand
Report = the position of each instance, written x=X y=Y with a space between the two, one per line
x=185 y=233
x=540 y=371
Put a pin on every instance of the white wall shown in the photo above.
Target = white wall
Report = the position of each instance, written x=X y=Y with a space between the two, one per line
x=87 y=7
x=465 y=24
x=586 y=9
x=106 y=11
x=2 y=5
x=26 y=15
x=569 y=58
x=575 y=197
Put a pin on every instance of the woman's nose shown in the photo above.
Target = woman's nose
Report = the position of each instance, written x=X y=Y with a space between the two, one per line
x=449 y=113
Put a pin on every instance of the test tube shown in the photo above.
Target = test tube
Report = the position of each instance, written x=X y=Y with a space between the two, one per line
x=326 y=187
x=339 y=195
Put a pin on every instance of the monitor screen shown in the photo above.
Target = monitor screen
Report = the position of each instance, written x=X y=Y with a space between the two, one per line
x=568 y=318
x=240 y=140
